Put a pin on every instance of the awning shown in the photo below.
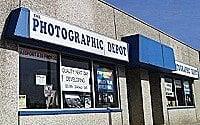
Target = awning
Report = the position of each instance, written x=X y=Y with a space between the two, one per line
x=144 y=51
x=29 y=25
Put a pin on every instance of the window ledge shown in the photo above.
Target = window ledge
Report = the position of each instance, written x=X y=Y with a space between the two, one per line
x=180 y=107
x=30 y=112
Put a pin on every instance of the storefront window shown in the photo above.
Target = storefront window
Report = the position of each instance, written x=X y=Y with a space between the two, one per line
x=178 y=92
x=48 y=83
x=105 y=86
x=76 y=83
x=38 y=86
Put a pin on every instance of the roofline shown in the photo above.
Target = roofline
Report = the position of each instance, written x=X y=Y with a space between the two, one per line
x=114 y=7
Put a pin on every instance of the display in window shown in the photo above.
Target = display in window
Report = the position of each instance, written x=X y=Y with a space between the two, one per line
x=88 y=102
x=186 y=87
x=75 y=79
x=168 y=88
x=178 y=84
x=40 y=79
x=106 y=90
x=50 y=96
x=188 y=95
x=77 y=101
x=73 y=101
x=22 y=101
x=105 y=80
x=47 y=90
x=110 y=98
x=105 y=98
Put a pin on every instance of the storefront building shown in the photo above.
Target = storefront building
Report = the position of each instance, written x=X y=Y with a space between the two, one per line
x=86 y=62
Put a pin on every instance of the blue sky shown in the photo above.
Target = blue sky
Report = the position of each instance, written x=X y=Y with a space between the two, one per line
x=179 y=18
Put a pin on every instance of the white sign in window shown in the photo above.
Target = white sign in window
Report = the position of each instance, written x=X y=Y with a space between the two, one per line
x=168 y=89
x=178 y=84
x=40 y=79
x=75 y=79
x=186 y=87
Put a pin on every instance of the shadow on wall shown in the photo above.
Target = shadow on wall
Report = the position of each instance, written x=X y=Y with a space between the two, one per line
x=135 y=102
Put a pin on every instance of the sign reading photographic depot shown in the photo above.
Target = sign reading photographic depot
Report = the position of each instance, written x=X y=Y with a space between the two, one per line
x=74 y=79
x=56 y=32
x=186 y=70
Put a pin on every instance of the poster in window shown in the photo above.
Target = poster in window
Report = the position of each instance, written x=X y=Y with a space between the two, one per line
x=22 y=101
x=75 y=79
x=110 y=98
x=73 y=101
x=47 y=90
x=105 y=80
x=178 y=84
x=88 y=102
x=168 y=89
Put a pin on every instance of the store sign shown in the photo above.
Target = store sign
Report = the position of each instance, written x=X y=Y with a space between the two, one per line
x=56 y=32
x=74 y=79
x=186 y=70
x=36 y=54
x=168 y=89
